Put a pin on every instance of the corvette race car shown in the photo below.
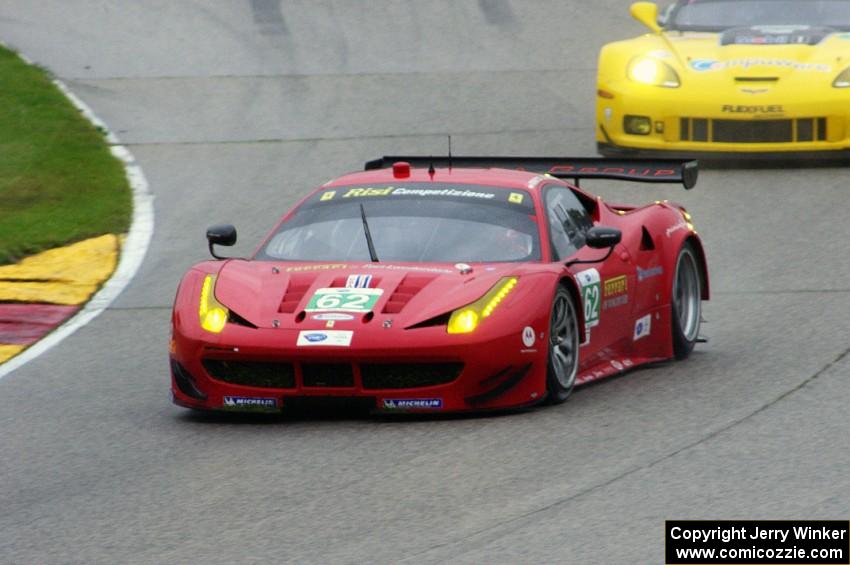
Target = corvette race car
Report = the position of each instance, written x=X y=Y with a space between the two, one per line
x=424 y=285
x=764 y=77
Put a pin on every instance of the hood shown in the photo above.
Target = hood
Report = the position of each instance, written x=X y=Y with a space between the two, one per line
x=758 y=56
x=264 y=292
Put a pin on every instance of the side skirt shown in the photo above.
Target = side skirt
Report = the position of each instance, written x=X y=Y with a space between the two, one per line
x=614 y=367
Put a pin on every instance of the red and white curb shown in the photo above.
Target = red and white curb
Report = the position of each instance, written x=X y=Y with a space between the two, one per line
x=132 y=252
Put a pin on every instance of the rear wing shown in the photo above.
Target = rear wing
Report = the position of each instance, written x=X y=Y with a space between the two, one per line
x=575 y=168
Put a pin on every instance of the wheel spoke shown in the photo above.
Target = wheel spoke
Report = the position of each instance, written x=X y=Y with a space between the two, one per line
x=564 y=340
x=686 y=296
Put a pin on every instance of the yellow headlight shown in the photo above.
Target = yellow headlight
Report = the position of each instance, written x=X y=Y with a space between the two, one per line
x=647 y=70
x=212 y=313
x=842 y=80
x=465 y=320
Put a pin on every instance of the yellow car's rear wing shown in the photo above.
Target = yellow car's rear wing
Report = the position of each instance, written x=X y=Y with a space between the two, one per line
x=574 y=168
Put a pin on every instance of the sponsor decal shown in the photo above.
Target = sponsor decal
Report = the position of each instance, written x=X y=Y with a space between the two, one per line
x=358 y=281
x=334 y=338
x=402 y=191
x=755 y=90
x=586 y=338
x=589 y=283
x=528 y=337
x=405 y=268
x=360 y=192
x=644 y=274
x=608 y=113
x=329 y=195
x=758 y=109
x=322 y=267
x=387 y=324
x=247 y=402
x=344 y=299
x=516 y=198
x=333 y=317
x=680 y=226
x=413 y=403
x=463 y=268
x=643 y=327
x=621 y=300
x=632 y=172
x=763 y=40
x=711 y=65
x=535 y=181
x=615 y=286
x=617 y=365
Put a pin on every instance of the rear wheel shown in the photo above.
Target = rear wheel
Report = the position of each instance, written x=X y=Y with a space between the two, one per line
x=686 y=302
x=563 y=347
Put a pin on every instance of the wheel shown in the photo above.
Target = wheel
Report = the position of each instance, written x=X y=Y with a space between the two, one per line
x=686 y=302
x=563 y=347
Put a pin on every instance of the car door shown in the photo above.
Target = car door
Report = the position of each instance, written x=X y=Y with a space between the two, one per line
x=606 y=286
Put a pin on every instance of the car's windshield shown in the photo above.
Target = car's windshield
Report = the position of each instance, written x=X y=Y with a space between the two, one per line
x=719 y=15
x=410 y=223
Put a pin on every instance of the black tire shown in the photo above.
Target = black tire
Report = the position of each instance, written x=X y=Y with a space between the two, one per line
x=686 y=301
x=563 y=356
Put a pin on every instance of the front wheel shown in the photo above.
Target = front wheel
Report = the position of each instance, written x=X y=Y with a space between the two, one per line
x=563 y=347
x=686 y=302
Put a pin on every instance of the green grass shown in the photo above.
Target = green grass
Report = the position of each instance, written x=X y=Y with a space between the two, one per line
x=58 y=181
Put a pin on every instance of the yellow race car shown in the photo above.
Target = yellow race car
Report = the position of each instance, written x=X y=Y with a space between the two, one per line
x=729 y=77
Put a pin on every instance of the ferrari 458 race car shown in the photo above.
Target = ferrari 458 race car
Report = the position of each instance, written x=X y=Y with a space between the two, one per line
x=765 y=77
x=454 y=288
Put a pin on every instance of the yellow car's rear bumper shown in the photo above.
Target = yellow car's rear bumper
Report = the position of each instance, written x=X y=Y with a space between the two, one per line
x=685 y=121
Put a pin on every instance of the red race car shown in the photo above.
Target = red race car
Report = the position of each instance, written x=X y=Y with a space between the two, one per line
x=451 y=284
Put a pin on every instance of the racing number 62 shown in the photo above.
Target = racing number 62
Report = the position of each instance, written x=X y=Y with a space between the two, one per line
x=591 y=302
x=343 y=301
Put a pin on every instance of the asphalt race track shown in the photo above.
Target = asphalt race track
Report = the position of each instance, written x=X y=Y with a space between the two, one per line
x=235 y=108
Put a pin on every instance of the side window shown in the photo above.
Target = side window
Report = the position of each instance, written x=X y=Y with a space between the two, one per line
x=568 y=221
x=664 y=14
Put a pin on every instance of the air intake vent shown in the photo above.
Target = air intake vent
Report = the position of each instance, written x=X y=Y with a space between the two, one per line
x=409 y=287
x=756 y=79
x=753 y=131
x=408 y=375
x=327 y=375
x=185 y=382
x=252 y=373
x=646 y=243
x=293 y=295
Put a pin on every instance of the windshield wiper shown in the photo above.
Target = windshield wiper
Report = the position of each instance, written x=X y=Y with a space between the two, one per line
x=369 y=242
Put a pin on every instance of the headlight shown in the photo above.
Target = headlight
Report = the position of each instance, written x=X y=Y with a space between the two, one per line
x=842 y=80
x=212 y=313
x=465 y=320
x=647 y=70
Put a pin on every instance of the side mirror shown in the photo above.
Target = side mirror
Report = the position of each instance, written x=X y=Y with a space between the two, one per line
x=224 y=234
x=599 y=237
x=647 y=14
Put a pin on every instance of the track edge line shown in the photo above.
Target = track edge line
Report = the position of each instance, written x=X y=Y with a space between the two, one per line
x=133 y=250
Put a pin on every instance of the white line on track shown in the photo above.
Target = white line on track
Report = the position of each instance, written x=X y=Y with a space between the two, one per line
x=132 y=252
